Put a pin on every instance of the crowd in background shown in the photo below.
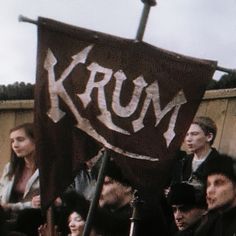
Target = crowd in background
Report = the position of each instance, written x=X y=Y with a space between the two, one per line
x=200 y=199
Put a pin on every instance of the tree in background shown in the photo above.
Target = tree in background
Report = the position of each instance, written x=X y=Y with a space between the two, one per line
x=17 y=91
x=21 y=91
x=225 y=82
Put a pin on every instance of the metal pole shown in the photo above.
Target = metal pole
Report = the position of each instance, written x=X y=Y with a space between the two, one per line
x=140 y=31
x=143 y=22
x=136 y=215
x=26 y=19
x=144 y=18
x=94 y=203
x=227 y=70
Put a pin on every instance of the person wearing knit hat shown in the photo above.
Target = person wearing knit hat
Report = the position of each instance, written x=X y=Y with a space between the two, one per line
x=188 y=206
x=221 y=197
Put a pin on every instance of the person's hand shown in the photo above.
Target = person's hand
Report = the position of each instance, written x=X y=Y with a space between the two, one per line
x=6 y=206
x=58 y=201
x=166 y=191
x=36 y=201
x=44 y=230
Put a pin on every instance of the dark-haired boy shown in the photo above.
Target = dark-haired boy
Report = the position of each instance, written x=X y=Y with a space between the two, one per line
x=221 y=198
x=188 y=206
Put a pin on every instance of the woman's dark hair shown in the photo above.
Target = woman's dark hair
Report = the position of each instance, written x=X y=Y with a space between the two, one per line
x=17 y=164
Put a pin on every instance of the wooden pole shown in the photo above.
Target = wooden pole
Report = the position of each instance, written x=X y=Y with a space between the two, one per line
x=50 y=222
x=94 y=203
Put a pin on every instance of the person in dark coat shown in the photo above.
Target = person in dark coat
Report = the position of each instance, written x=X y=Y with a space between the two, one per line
x=198 y=140
x=112 y=216
x=221 y=198
x=188 y=205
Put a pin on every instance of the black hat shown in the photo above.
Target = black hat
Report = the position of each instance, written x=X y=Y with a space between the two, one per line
x=114 y=171
x=186 y=194
x=73 y=201
x=222 y=164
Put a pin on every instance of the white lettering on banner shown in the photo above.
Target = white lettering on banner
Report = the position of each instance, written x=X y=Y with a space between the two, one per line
x=56 y=90
x=153 y=95
x=105 y=116
x=127 y=111
x=170 y=133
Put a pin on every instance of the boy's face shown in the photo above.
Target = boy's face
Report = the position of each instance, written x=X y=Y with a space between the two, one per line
x=196 y=140
x=113 y=193
x=186 y=216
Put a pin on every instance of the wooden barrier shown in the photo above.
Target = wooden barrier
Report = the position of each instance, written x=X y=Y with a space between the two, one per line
x=220 y=105
x=12 y=113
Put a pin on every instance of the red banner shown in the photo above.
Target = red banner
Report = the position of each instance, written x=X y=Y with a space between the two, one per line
x=95 y=90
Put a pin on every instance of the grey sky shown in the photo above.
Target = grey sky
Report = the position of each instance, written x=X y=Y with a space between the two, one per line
x=202 y=28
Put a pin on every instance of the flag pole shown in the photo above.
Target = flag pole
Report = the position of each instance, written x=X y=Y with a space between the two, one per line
x=136 y=217
x=140 y=31
x=136 y=202
x=142 y=24
x=50 y=222
x=94 y=203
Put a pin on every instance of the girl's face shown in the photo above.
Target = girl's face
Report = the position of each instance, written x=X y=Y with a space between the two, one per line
x=21 y=144
x=76 y=224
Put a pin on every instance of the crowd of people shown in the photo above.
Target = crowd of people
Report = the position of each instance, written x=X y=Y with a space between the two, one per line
x=199 y=201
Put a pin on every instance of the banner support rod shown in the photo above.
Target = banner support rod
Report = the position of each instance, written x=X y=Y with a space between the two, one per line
x=144 y=18
x=140 y=31
x=227 y=70
x=27 y=20
x=94 y=203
